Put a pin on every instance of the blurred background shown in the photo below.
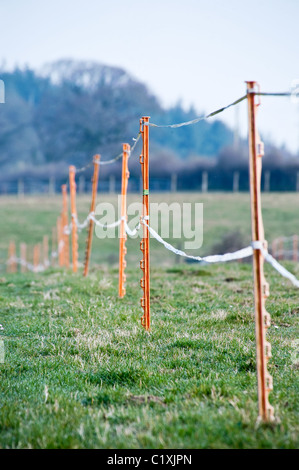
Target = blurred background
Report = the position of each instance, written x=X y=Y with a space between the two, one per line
x=78 y=76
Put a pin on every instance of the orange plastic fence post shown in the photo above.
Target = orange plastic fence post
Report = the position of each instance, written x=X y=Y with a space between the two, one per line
x=46 y=251
x=36 y=256
x=95 y=179
x=72 y=173
x=261 y=287
x=30 y=254
x=65 y=236
x=12 y=264
x=144 y=244
x=60 y=242
x=295 y=248
x=123 y=234
x=23 y=250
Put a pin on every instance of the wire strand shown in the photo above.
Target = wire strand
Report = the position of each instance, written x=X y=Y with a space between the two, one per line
x=202 y=118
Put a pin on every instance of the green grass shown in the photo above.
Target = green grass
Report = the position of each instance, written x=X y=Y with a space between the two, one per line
x=81 y=372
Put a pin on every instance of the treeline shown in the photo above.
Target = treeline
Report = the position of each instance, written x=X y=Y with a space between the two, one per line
x=71 y=110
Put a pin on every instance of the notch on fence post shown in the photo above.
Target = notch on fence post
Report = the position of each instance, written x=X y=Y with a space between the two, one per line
x=144 y=244
x=64 y=221
x=12 y=263
x=72 y=173
x=95 y=178
x=124 y=218
x=23 y=250
x=60 y=242
x=261 y=288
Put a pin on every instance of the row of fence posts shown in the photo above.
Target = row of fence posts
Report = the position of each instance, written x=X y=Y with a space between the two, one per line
x=236 y=181
x=37 y=256
x=277 y=247
x=173 y=183
x=62 y=221
x=61 y=234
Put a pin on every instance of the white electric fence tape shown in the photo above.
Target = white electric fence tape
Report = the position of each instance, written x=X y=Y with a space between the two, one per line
x=243 y=253
x=275 y=264
x=112 y=225
x=239 y=254
x=29 y=266
x=133 y=232
x=79 y=225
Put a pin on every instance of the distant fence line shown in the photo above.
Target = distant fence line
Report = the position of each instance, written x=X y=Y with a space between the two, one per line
x=202 y=181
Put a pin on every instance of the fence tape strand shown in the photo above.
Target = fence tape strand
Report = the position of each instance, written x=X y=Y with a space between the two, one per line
x=29 y=266
x=112 y=160
x=275 y=264
x=98 y=223
x=133 y=232
x=243 y=253
x=218 y=111
x=202 y=118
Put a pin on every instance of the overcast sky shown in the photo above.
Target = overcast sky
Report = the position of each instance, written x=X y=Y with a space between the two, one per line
x=196 y=51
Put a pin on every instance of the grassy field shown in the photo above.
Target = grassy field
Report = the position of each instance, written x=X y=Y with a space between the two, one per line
x=81 y=372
